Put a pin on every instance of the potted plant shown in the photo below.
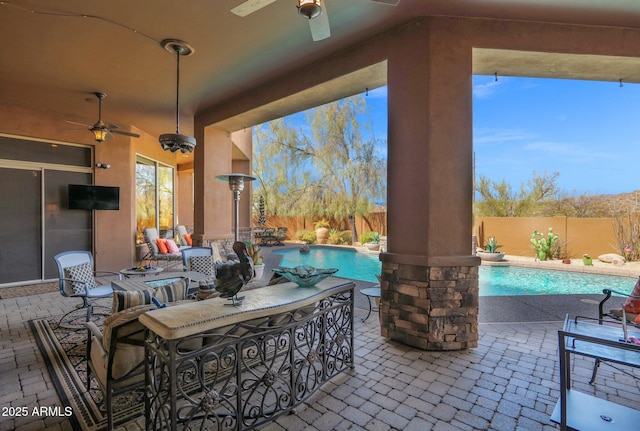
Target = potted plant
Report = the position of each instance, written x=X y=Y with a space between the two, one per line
x=258 y=264
x=587 y=260
x=490 y=251
x=371 y=241
x=322 y=231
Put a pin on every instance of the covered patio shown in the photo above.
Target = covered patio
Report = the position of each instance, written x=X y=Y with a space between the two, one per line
x=246 y=71
x=509 y=382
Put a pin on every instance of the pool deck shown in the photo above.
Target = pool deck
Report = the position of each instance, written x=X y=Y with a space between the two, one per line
x=521 y=308
x=508 y=383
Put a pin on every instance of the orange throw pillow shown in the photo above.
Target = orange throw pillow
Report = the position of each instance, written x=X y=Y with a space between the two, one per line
x=162 y=245
x=187 y=237
x=632 y=305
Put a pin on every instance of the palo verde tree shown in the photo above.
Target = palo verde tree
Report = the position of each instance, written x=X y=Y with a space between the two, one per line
x=281 y=164
x=498 y=199
x=351 y=172
x=330 y=171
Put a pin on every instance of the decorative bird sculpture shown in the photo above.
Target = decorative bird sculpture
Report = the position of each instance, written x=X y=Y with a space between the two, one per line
x=232 y=276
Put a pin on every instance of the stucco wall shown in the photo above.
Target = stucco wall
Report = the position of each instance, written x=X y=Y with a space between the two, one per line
x=114 y=230
x=594 y=236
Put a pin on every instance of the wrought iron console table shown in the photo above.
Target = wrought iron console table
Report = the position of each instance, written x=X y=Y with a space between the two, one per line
x=217 y=367
x=577 y=410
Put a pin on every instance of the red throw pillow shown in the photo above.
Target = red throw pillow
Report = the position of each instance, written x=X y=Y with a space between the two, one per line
x=172 y=246
x=187 y=237
x=632 y=305
x=162 y=245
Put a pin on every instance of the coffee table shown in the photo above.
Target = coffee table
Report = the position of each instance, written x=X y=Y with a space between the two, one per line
x=129 y=272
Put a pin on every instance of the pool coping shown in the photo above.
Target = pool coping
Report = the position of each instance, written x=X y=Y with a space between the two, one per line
x=629 y=269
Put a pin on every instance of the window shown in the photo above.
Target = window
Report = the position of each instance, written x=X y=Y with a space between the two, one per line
x=154 y=196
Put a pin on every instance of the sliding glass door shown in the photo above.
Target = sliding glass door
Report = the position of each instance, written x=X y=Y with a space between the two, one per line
x=20 y=225
x=154 y=196
x=35 y=222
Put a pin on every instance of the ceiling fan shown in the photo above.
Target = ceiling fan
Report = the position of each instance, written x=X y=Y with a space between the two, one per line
x=312 y=9
x=100 y=130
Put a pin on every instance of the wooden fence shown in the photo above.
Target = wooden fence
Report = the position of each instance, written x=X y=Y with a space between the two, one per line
x=376 y=222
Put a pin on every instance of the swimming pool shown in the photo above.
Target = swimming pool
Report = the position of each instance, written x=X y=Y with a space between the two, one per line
x=350 y=263
x=513 y=280
x=493 y=280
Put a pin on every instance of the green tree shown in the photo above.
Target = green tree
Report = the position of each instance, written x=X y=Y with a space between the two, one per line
x=498 y=199
x=584 y=205
x=281 y=163
x=331 y=172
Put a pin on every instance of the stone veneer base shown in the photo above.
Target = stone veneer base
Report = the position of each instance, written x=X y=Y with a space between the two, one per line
x=430 y=307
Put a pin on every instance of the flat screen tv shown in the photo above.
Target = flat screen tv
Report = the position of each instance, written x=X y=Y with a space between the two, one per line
x=86 y=197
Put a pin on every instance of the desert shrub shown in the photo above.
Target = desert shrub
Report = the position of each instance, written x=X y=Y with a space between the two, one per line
x=306 y=235
x=334 y=237
x=368 y=237
x=346 y=237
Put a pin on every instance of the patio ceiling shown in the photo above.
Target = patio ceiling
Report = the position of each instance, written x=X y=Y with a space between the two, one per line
x=54 y=58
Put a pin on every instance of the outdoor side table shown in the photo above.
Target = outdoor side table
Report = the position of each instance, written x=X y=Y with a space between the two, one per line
x=372 y=293
x=578 y=410
x=128 y=272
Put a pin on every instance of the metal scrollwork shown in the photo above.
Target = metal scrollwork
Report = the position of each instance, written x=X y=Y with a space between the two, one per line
x=250 y=373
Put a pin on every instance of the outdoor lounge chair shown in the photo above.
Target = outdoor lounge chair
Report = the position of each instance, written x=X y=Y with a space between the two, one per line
x=631 y=314
x=77 y=279
x=115 y=353
x=154 y=254
x=182 y=234
x=280 y=235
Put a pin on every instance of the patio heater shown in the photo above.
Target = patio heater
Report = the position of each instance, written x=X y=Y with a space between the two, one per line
x=236 y=185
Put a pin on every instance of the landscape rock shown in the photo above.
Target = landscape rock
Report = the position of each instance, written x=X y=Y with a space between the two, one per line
x=612 y=258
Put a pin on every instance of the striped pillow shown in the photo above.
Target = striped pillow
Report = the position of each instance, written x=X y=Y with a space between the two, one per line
x=130 y=298
x=176 y=291
x=171 y=292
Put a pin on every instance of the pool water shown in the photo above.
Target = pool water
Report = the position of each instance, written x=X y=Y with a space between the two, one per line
x=350 y=263
x=493 y=280
x=512 y=280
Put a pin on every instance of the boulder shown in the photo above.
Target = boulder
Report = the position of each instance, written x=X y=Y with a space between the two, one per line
x=612 y=258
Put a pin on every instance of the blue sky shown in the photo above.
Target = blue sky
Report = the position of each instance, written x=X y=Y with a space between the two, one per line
x=587 y=131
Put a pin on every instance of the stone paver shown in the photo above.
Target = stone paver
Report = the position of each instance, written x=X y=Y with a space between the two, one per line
x=509 y=382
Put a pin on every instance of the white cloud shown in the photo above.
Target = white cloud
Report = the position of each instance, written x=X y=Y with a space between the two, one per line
x=569 y=152
x=483 y=91
x=490 y=136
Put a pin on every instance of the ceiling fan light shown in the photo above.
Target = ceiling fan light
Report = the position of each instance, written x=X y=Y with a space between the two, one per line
x=99 y=133
x=309 y=8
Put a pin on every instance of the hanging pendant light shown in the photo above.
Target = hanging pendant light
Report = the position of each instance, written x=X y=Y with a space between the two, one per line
x=177 y=141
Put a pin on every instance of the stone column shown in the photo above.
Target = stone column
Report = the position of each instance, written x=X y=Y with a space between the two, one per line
x=429 y=278
x=431 y=305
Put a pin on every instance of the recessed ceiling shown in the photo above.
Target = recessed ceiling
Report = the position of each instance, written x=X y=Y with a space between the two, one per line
x=57 y=54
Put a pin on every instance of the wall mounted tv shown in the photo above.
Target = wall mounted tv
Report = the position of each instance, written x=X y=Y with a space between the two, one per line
x=86 y=197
